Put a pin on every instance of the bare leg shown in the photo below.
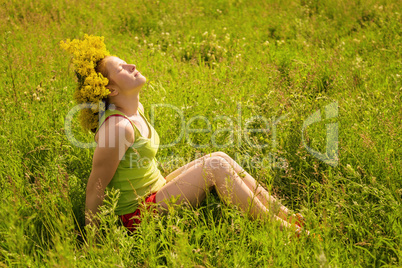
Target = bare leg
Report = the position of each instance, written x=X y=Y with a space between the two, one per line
x=191 y=182
x=269 y=201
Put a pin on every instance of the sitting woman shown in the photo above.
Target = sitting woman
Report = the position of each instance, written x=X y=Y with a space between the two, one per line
x=127 y=144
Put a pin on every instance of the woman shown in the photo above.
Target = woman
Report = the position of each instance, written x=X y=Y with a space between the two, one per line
x=125 y=159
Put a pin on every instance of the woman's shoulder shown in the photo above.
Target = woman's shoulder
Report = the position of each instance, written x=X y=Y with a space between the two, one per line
x=116 y=127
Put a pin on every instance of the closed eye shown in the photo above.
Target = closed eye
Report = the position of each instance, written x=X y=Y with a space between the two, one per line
x=121 y=67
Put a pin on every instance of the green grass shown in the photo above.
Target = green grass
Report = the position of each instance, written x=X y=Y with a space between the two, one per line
x=210 y=59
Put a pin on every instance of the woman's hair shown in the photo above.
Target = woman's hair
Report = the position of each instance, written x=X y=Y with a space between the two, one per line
x=89 y=60
x=101 y=67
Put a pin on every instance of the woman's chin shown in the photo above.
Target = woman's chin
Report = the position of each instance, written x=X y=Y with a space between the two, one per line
x=143 y=79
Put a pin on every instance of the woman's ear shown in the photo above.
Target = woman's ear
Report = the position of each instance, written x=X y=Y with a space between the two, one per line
x=113 y=91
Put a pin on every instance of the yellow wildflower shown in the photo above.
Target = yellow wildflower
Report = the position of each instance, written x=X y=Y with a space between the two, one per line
x=91 y=85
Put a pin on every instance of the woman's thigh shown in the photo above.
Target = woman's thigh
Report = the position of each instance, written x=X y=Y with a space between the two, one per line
x=198 y=162
x=187 y=185
x=251 y=183
x=247 y=178
x=180 y=170
x=194 y=180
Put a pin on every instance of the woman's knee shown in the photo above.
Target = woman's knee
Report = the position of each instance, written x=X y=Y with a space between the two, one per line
x=221 y=154
x=225 y=156
x=218 y=167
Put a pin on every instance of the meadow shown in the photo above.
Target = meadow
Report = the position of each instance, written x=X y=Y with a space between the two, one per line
x=253 y=79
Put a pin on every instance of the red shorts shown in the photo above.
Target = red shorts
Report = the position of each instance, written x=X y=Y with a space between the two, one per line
x=131 y=220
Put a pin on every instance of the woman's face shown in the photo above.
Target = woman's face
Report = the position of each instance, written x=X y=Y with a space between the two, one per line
x=124 y=77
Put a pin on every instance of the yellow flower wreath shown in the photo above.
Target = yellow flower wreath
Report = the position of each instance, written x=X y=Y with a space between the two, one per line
x=91 y=85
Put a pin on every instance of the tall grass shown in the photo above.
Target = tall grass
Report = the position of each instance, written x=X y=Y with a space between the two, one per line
x=225 y=61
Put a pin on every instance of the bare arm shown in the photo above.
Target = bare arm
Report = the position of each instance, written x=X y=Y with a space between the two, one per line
x=114 y=138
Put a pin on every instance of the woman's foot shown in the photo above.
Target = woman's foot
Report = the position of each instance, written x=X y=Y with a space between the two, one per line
x=299 y=222
x=300 y=231
x=296 y=219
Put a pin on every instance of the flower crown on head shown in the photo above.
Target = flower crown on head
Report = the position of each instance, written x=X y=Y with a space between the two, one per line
x=91 y=84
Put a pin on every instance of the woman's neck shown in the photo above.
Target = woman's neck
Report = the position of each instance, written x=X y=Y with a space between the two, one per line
x=126 y=104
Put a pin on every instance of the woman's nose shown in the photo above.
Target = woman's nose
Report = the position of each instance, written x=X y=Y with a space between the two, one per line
x=131 y=67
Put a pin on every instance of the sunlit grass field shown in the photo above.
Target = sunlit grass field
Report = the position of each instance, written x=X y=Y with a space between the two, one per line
x=236 y=76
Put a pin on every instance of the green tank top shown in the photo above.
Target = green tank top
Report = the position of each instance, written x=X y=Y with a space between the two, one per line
x=137 y=175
